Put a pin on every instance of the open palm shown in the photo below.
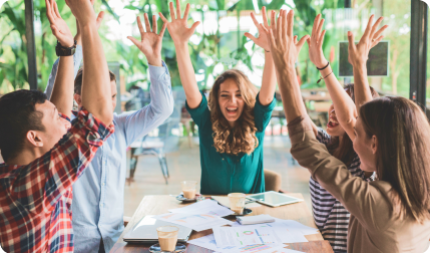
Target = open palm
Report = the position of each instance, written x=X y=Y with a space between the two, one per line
x=58 y=26
x=315 y=43
x=263 y=39
x=359 y=53
x=284 y=45
x=178 y=27
x=150 y=42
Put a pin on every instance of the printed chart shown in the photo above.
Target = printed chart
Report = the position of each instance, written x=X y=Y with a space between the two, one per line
x=209 y=242
x=244 y=236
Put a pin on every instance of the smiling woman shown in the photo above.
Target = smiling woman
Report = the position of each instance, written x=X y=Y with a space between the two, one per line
x=232 y=123
x=231 y=103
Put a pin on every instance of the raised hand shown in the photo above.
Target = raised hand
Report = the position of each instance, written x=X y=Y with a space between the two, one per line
x=83 y=11
x=178 y=28
x=315 y=43
x=359 y=53
x=284 y=45
x=58 y=26
x=263 y=39
x=99 y=21
x=150 y=42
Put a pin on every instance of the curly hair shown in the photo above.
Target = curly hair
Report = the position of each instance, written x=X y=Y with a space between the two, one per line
x=241 y=138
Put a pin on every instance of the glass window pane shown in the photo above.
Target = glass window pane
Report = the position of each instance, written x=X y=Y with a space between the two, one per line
x=340 y=20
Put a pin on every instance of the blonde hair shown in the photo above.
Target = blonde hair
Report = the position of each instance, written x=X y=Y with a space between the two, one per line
x=240 y=139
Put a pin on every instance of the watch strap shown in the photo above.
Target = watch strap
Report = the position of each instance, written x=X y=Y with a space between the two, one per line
x=65 y=51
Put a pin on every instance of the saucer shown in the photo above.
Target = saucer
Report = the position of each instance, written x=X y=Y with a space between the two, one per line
x=246 y=211
x=156 y=249
x=181 y=198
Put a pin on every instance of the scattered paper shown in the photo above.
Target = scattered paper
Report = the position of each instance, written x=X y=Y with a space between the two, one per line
x=197 y=222
x=265 y=249
x=295 y=226
x=209 y=242
x=262 y=248
x=244 y=236
x=289 y=231
x=207 y=206
x=291 y=225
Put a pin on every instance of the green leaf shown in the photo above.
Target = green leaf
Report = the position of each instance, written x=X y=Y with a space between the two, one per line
x=133 y=8
x=16 y=19
x=105 y=3
x=276 y=5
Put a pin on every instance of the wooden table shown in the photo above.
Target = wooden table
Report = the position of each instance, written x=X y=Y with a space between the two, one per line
x=156 y=205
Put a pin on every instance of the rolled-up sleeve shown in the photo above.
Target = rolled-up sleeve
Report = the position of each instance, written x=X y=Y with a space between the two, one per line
x=77 y=59
x=359 y=197
x=137 y=124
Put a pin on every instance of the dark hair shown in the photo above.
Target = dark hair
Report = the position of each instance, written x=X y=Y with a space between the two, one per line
x=18 y=115
x=403 y=152
x=343 y=150
x=78 y=80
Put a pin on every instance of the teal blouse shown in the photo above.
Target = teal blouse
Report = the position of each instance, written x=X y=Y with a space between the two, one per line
x=225 y=173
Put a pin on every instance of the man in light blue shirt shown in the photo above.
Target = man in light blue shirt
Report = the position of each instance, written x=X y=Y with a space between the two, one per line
x=98 y=195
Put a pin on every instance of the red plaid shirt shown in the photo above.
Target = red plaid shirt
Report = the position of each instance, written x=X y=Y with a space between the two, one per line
x=36 y=199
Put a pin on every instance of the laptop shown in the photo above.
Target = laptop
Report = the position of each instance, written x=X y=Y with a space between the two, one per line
x=146 y=231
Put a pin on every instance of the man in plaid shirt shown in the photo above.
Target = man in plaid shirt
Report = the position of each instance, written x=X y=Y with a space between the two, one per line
x=43 y=158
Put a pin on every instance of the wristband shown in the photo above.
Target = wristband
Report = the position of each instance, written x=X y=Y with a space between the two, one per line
x=65 y=51
x=328 y=63
x=321 y=78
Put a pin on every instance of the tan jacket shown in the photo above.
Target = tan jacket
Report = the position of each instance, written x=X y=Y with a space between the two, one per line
x=373 y=227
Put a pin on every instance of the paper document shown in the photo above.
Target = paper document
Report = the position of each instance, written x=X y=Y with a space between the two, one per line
x=197 y=222
x=291 y=225
x=265 y=249
x=261 y=248
x=289 y=231
x=295 y=226
x=207 y=206
x=209 y=242
x=243 y=236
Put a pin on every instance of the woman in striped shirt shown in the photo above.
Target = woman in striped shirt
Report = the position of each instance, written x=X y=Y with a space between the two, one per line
x=330 y=215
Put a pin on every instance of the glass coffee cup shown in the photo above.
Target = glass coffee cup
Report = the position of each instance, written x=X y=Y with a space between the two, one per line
x=237 y=202
x=189 y=189
x=167 y=238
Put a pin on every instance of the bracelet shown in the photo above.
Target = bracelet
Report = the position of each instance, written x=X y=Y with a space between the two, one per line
x=328 y=63
x=321 y=78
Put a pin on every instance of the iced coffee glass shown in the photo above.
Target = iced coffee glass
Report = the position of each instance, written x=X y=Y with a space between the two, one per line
x=189 y=188
x=237 y=202
x=167 y=237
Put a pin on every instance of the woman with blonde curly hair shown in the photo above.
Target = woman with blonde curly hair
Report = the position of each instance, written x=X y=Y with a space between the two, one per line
x=232 y=122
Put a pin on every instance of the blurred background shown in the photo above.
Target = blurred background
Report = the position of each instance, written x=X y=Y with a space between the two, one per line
x=218 y=44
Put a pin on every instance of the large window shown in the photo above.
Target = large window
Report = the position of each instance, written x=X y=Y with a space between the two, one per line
x=340 y=20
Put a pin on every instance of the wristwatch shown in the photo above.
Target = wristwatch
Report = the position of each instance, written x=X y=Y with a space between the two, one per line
x=65 y=51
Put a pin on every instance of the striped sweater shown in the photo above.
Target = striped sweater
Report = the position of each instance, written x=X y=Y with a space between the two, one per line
x=330 y=216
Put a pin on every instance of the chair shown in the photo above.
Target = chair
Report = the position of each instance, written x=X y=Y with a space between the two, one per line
x=272 y=180
x=153 y=146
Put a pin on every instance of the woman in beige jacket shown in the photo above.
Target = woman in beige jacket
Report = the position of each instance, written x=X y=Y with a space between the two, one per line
x=392 y=139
